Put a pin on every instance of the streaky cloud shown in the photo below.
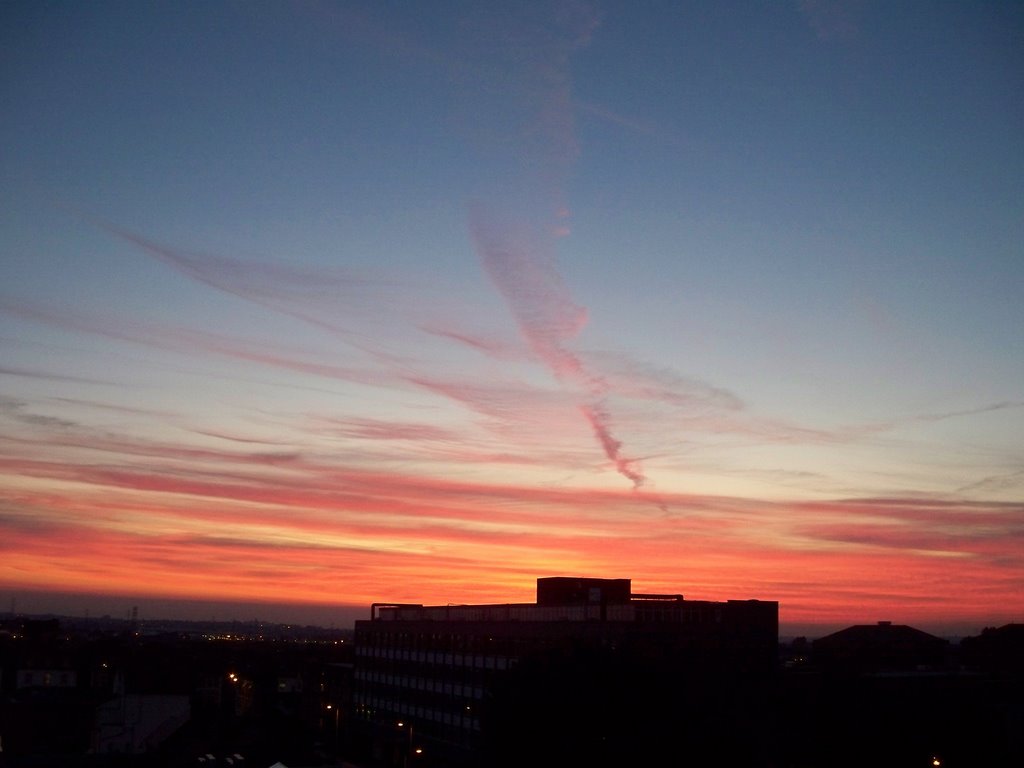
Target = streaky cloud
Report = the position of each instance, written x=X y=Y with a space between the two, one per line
x=48 y=376
x=235 y=438
x=379 y=429
x=635 y=379
x=316 y=297
x=522 y=267
x=1004 y=405
x=188 y=341
x=995 y=482
x=494 y=348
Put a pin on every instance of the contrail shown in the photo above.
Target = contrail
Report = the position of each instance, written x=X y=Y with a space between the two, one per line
x=523 y=269
x=599 y=422
x=520 y=258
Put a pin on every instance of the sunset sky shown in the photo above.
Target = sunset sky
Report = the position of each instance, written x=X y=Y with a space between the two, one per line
x=305 y=305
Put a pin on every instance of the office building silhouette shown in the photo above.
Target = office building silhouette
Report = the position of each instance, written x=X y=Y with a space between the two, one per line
x=590 y=673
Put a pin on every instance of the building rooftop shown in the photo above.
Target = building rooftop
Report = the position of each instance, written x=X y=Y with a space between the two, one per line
x=568 y=598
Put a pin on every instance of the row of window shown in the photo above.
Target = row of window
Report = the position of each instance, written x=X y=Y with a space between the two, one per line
x=418 y=714
x=677 y=614
x=431 y=684
x=437 y=657
x=443 y=642
x=468 y=674
x=46 y=679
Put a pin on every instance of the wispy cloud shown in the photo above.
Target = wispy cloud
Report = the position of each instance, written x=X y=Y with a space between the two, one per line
x=378 y=429
x=988 y=408
x=423 y=407
x=312 y=517
x=48 y=376
x=522 y=266
x=18 y=410
x=328 y=299
x=189 y=341
x=492 y=347
x=1001 y=481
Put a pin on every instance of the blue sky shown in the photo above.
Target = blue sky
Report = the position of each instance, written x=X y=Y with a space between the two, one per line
x=739 y=258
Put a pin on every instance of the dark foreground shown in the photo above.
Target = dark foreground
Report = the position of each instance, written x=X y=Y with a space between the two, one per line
x=119 y=695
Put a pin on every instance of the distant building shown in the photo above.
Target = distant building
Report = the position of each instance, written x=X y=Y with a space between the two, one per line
x=881 y=647
x=591 y=670
x=996 y=649
x=47 y=678
x=134 y=723
x=889 y=695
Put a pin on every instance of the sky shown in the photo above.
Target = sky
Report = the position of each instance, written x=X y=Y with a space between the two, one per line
x=306 y=305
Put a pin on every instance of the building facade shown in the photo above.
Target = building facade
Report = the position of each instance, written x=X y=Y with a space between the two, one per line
x=447 y=685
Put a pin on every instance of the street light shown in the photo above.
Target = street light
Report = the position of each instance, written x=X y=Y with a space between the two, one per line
x=410 y=750
x=337 y=715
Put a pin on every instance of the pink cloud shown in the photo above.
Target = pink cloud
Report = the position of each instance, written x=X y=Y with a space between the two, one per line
x=599 y=422
x=523 y=269
x=376 y=429
x=188 y=341
x=310 y=520
x=495 y=348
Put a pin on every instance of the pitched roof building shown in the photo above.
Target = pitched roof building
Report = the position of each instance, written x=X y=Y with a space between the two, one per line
x=881 y=647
